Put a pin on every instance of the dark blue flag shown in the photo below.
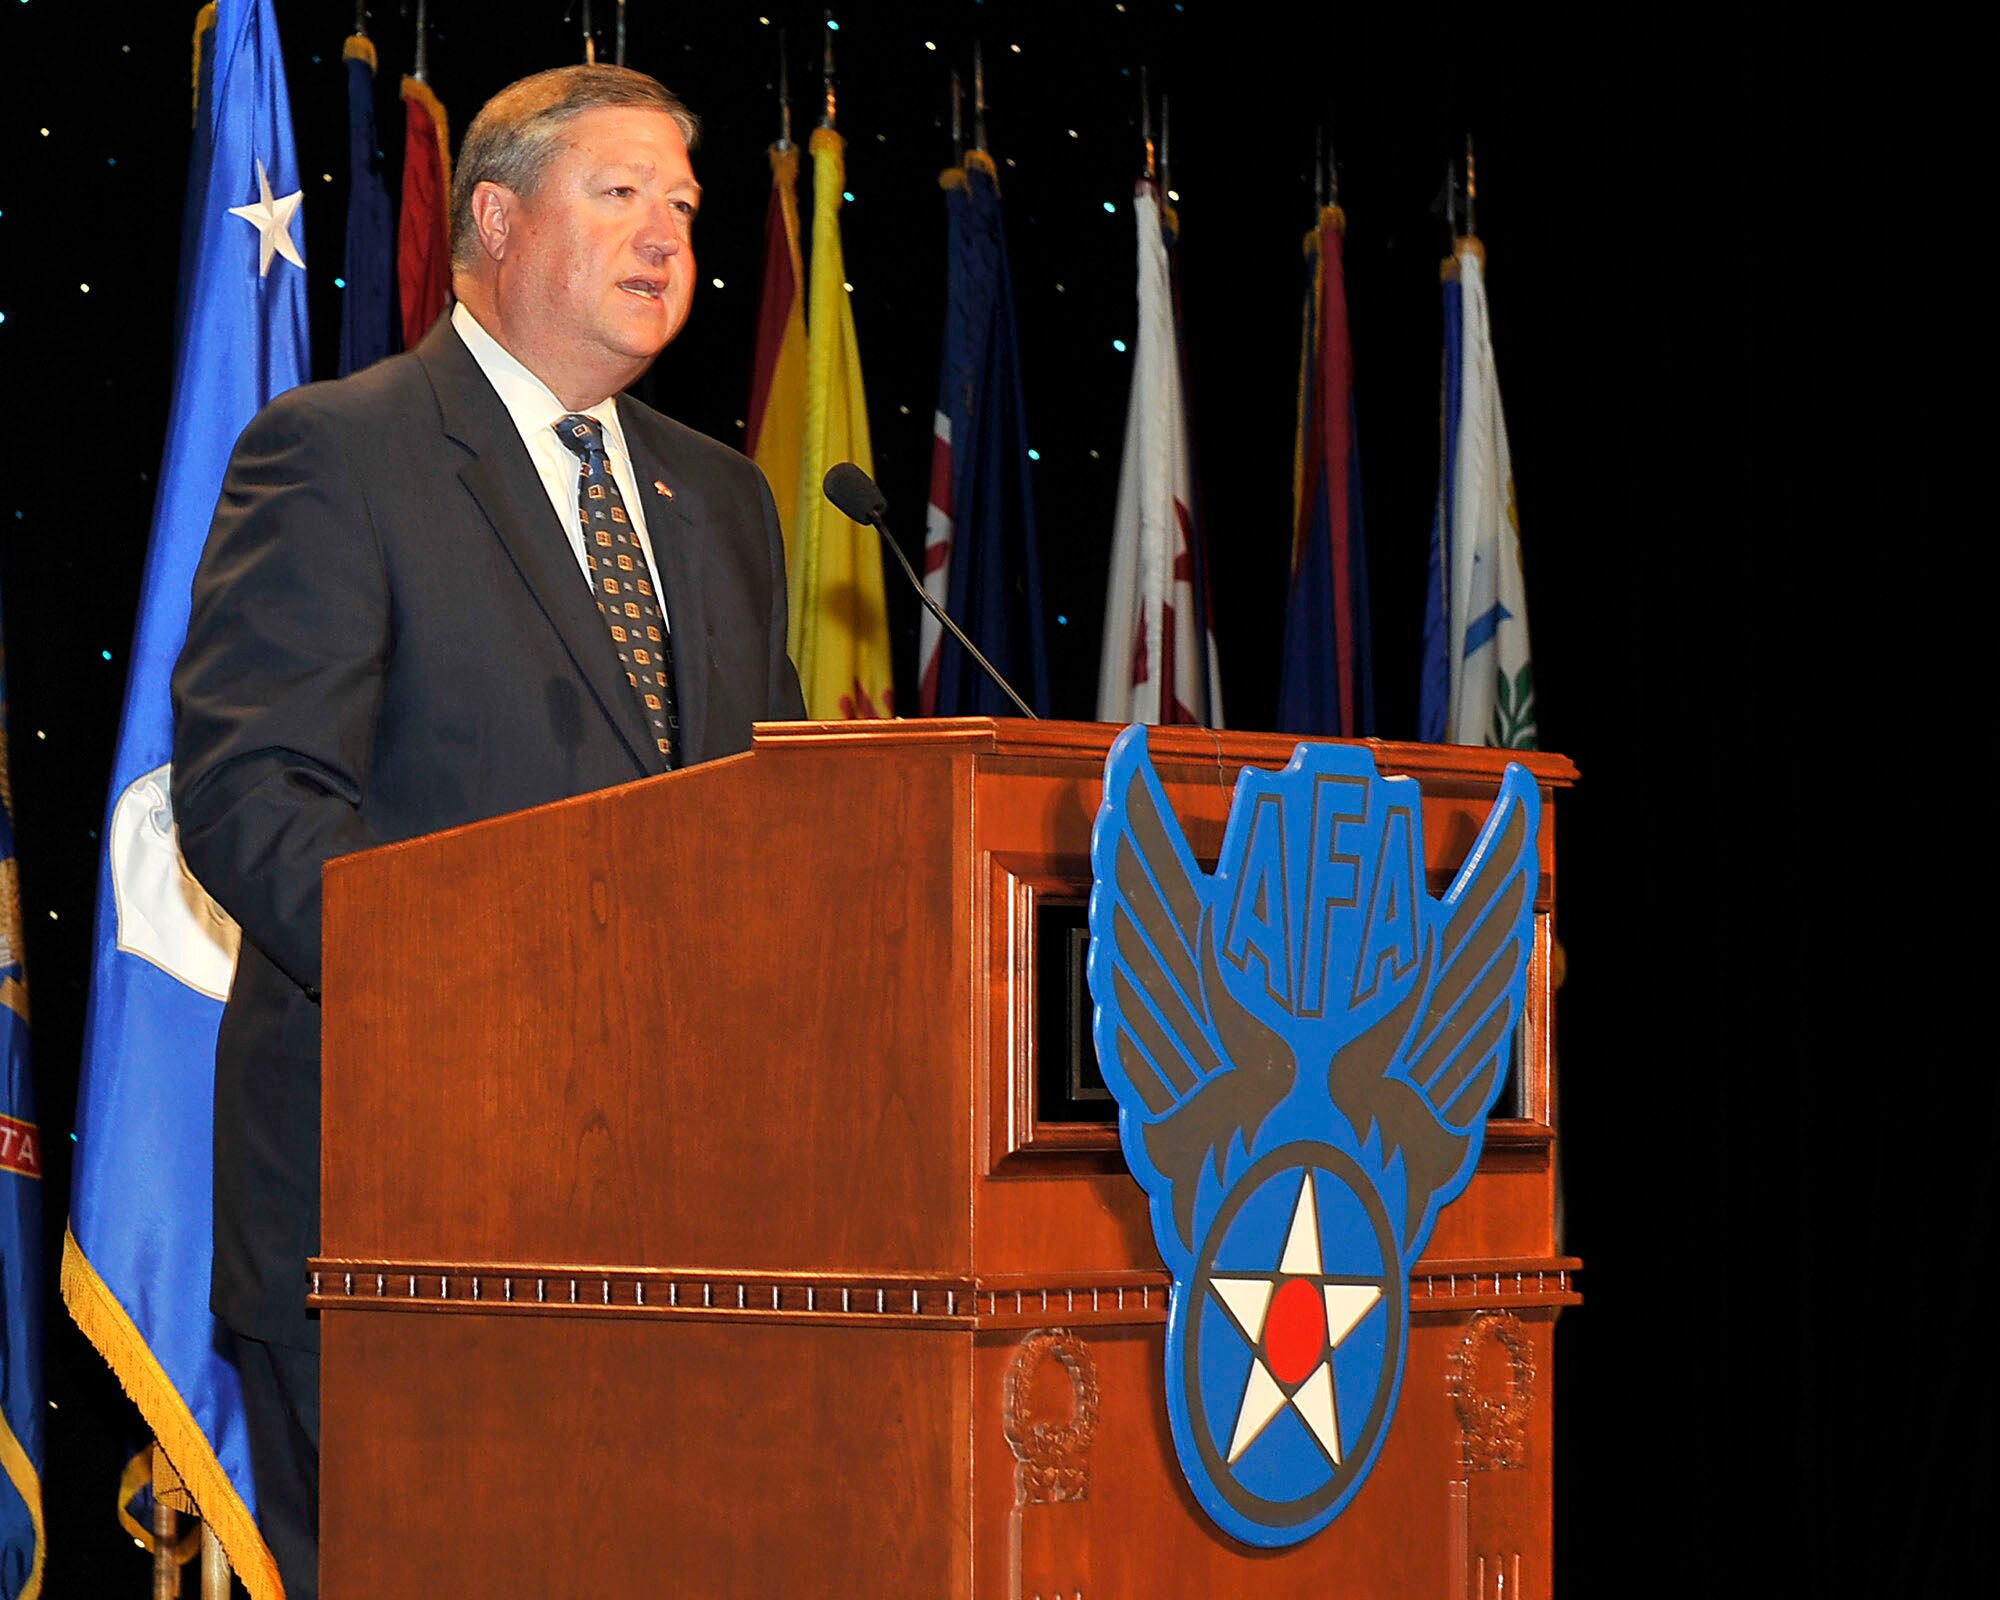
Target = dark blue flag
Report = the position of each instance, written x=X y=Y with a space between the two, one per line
x=981 y=558
x=368 y=303
x=1327 y=680
x=20 y=1237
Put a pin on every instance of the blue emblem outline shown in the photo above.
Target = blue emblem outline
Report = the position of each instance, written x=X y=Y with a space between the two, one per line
x=1213 y=1053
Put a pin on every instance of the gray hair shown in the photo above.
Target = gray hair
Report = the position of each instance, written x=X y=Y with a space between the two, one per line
x=513 y=139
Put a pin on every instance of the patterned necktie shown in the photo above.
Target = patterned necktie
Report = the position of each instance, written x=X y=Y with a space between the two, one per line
x=623 y=584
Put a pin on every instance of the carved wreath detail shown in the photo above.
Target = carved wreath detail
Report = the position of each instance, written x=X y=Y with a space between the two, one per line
x=1493 y=1425
x=1049 y=1452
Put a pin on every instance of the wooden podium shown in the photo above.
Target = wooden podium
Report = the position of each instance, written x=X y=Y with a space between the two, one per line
x=698 y=1220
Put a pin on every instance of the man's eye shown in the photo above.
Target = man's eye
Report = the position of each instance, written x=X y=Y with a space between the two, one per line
x=621 y=189
x=686 y=208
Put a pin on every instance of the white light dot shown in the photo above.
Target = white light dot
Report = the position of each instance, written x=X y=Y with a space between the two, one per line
x=1015 y=48
x=765 y=20
x=45 y=133
x=848 y=287
x=1173 y=194
x=1093 y=455
x=53 y=917
x=716 y=281
x=904 y=409
x=741 y=423
x=326 y=177
x=1072 y=133
x=84 y=287
x=930 y=44
x=1059 y=288
x=1010 y=161
x=39 y=734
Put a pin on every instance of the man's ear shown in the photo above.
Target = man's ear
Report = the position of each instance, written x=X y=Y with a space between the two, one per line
x=493 y=207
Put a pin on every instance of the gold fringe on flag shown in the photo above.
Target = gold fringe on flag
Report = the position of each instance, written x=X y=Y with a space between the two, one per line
x=105 y=1323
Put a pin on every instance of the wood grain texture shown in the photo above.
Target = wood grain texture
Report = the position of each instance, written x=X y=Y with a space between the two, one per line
x=757 y=1033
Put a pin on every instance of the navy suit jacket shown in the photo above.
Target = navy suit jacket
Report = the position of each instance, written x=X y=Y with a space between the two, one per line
x=389 y=636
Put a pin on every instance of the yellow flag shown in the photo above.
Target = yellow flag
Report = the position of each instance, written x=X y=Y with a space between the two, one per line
x=839 y=628
x=778 y=372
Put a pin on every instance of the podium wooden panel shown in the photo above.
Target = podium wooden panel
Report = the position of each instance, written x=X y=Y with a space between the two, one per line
x=689 y=1227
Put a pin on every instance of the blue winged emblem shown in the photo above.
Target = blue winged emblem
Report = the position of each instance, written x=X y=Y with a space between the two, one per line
x=1304 y=1046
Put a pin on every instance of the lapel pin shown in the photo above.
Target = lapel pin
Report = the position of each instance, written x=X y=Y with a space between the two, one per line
x=660 y=487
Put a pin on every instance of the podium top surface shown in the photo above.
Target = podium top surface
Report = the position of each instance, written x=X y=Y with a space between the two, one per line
x=1050 y=739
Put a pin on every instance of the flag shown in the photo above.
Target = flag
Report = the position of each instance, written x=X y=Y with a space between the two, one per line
x=20 y=1236
x=136 y=1262
x=367 y=305
x=1326 y=680
x=1159 y=661
x=776 y=430
x=839 y=626
x=423 y=233
x=1478 y=679
x=981 y=559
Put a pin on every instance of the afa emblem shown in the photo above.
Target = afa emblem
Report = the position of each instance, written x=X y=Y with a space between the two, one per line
x=1304 y=1046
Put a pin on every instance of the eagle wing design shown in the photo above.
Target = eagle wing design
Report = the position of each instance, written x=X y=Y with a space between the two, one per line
x=1427 y=1072
x=1203 y=1067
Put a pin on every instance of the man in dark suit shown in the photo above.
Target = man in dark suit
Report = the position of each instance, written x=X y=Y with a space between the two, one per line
x=470 y=579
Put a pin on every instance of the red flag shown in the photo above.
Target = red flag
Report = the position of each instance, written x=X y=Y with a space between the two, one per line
x=423 y=235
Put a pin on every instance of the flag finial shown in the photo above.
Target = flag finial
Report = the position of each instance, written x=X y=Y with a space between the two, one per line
x=420 y=60
x=589 y=39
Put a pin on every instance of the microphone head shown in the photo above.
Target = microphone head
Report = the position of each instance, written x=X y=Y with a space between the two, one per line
x=853 y=493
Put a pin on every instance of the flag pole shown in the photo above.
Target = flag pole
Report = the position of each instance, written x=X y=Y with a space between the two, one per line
x=420 y=61
x=957 y=120
x=619 y=54
x=978 y=96
x=589 y=44
x=784 y=96
x=826 y=75
x=1146 y=122
x=1471 y=193
x=1166 y=132
x=361 y=18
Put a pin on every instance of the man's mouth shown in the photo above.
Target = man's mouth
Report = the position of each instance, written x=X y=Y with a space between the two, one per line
x=645 y=288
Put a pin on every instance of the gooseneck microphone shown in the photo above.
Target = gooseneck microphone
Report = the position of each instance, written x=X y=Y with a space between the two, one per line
x=854 y=494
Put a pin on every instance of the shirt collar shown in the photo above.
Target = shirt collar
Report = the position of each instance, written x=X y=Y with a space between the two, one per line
x=529 y=401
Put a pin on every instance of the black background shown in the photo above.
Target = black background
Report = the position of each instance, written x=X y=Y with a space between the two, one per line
x=1732 y=1367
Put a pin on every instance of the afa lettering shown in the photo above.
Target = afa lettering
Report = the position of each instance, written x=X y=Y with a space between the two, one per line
x=1303 y=876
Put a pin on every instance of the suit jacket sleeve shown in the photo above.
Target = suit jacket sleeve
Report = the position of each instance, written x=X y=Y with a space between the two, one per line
x=787 y=699
x=278 y=688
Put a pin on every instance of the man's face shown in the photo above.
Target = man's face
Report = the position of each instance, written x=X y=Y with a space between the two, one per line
x=597 y=271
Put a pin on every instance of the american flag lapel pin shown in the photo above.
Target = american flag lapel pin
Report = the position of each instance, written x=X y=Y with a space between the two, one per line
x=660 y=487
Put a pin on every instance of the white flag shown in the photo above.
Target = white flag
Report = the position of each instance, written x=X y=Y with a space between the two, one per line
x=1492 y=679
x=1158 y=663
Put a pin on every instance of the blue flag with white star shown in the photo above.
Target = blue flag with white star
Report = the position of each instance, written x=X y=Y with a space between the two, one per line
x=136 y=1263
x=20 y=1237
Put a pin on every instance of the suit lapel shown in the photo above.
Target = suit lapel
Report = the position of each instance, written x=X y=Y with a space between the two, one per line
x=674 y=516
x=504 y=484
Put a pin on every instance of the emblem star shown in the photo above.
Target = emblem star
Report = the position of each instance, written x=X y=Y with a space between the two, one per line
x=273 y=221
x=1294 y=1320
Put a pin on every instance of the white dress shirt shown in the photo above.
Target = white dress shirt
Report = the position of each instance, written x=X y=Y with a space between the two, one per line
x=536 y=410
